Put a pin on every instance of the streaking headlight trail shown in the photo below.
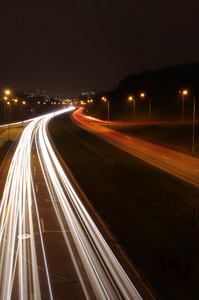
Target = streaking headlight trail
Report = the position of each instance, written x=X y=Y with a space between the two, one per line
x=21 y=261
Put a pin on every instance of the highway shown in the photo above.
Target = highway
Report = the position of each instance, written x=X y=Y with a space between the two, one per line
x=50 y=246
x=183 y=166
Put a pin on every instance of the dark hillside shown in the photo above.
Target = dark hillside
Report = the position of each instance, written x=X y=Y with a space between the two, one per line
x=163 y=87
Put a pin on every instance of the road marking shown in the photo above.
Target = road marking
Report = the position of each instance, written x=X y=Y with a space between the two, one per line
x=196 y=170
x=128 y=137
x=33 y=156
x=37 y=188
x=165 y=157
x=42 y=225
x=34 y=170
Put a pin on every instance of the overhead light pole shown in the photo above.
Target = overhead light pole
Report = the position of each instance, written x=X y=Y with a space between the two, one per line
x=6 y=98
x=106 y=100
x=143 y=95
x=131 y=98
x=9 y=118
x=184 y=93
x=194 y=118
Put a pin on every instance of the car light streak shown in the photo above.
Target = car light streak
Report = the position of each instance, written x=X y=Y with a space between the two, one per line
x=108 y=279
x=18 y=259
x=168 y=160
x=19 y=267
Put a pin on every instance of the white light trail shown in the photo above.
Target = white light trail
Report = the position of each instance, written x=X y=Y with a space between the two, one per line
x=106 y=275
x=18 y=254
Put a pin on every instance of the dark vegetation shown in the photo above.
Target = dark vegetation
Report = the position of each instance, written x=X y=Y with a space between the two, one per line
x=162 y=86
x=160 y=242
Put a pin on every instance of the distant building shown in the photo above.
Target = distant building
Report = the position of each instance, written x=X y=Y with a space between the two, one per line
x=88 y=95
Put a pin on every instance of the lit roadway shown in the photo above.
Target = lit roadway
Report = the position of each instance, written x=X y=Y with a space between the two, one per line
x=185 y=167
x=50 y=248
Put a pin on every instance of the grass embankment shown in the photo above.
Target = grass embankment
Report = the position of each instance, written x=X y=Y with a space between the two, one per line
x=158 y=240
x=4 y=149
x=177 y=136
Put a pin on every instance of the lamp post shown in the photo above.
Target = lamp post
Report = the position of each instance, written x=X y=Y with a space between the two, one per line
x=90 y=107
x=131 y=98
x=143 y=95
x=194 y=117
x=6 y=98
x=21 y=109
x=106 y=100
x=9 y=119
x=184 y=93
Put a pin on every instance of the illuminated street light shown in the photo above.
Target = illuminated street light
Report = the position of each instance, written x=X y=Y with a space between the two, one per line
x=90 y=107
x=131 y=98
x=184 y=93
x=7 y=92
x=9 y=118
x=143 y=95
x=104 y=99
x=21 y=109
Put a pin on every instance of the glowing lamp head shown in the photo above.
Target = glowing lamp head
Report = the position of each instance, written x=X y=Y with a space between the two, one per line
x=142 y=95
x=7 y=92
x=130 y=98
x=185 y=92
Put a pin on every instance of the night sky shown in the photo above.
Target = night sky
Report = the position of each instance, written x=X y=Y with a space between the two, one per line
x=73 y=46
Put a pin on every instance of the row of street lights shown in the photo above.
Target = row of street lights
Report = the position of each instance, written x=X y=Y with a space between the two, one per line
x=7 y=95
x=143 y=95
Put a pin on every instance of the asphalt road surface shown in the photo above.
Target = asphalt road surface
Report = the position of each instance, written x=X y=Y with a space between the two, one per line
x=185 y=167
x=50 y=246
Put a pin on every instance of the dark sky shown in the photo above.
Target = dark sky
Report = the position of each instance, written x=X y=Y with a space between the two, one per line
x=70 y=46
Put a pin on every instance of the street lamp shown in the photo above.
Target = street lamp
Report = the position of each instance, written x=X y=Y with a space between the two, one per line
x=21 y=109
x=184 y=93
x=143 y=95
x=9 y=118
x=106 y=100
x=7 y=92
x=194 y=117
x=131 y=98
x=90 y=101
x=6 y=98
